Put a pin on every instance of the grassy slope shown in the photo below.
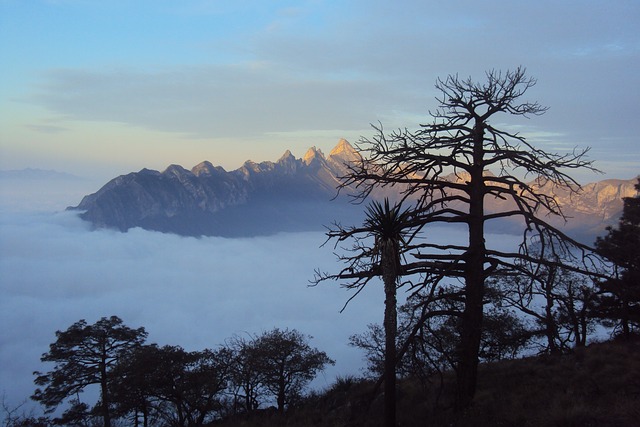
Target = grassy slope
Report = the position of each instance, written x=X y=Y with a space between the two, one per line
x=596 y=386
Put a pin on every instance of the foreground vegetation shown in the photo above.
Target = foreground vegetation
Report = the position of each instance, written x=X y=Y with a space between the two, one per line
x=598 y=385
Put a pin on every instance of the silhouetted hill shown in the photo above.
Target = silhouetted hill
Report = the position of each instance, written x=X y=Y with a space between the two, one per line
x=30 y=174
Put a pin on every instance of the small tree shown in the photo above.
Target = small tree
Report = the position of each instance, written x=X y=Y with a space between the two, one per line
x=84 y=355
x=245 y=374
x=287 y=363
x=576 y=298
x=557 y=299
x=619 y=301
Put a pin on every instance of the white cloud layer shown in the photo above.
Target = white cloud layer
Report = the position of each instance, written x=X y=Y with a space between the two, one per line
x=184 y=291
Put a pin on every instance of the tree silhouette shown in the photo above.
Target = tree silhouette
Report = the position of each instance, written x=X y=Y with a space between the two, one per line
x=390 y=227
x=84 y=355
x=448 y=169
x=183 y=388
x=287 y=363
x=134 y=388
x=620 y=296
x=246 y=376
x=557 y=299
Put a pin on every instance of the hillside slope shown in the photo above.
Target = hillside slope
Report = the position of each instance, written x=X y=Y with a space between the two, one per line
x=597 y=386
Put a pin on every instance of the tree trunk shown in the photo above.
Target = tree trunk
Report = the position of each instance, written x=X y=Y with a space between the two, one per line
x=390 y=331
x=104 y=393
x=281 y=393
x=472 y=316
x=551 y=329
x=626 y=331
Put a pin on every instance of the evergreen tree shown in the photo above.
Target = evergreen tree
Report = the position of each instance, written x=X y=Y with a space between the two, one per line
x=84 y=355
x=619 y=301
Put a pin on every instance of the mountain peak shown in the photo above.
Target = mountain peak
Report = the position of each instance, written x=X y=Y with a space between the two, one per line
x=286 y=156
x=206 y=169
x=288 y=162
x=343 y=145
x=176 y=170
x=345 y=152
x=312 y=154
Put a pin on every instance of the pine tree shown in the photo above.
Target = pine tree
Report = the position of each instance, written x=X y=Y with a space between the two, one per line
x=619 y=301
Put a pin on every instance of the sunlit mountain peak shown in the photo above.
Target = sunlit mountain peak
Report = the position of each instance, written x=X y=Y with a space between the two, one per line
x=312 y=154
x=344 y=151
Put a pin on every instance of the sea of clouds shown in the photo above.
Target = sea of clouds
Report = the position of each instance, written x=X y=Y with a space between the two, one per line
x=192 y=292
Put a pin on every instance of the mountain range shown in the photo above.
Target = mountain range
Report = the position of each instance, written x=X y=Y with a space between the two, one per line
x=291 y=194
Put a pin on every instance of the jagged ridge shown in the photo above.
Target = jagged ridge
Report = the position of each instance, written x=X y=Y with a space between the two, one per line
x=290 y=194
x=257 y=198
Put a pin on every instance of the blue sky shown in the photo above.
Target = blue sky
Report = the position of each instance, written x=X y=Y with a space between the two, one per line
x=101 y=88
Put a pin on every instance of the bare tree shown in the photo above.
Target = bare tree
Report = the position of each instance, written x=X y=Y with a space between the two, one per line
x=558 y=300
x=449 y=168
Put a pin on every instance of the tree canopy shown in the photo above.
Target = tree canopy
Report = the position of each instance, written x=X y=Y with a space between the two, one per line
x=83 y=355
x=287 y=363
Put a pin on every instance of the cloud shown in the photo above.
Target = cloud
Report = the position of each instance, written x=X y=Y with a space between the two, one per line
x=185 y=291
x=212 y=101
x=46 y=128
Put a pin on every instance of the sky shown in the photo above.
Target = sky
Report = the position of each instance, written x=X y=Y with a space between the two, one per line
x=99 y=88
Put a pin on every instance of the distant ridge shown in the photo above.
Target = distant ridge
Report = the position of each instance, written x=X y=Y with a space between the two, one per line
x=291 y=194
x=258 y=198
x=36 y=174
